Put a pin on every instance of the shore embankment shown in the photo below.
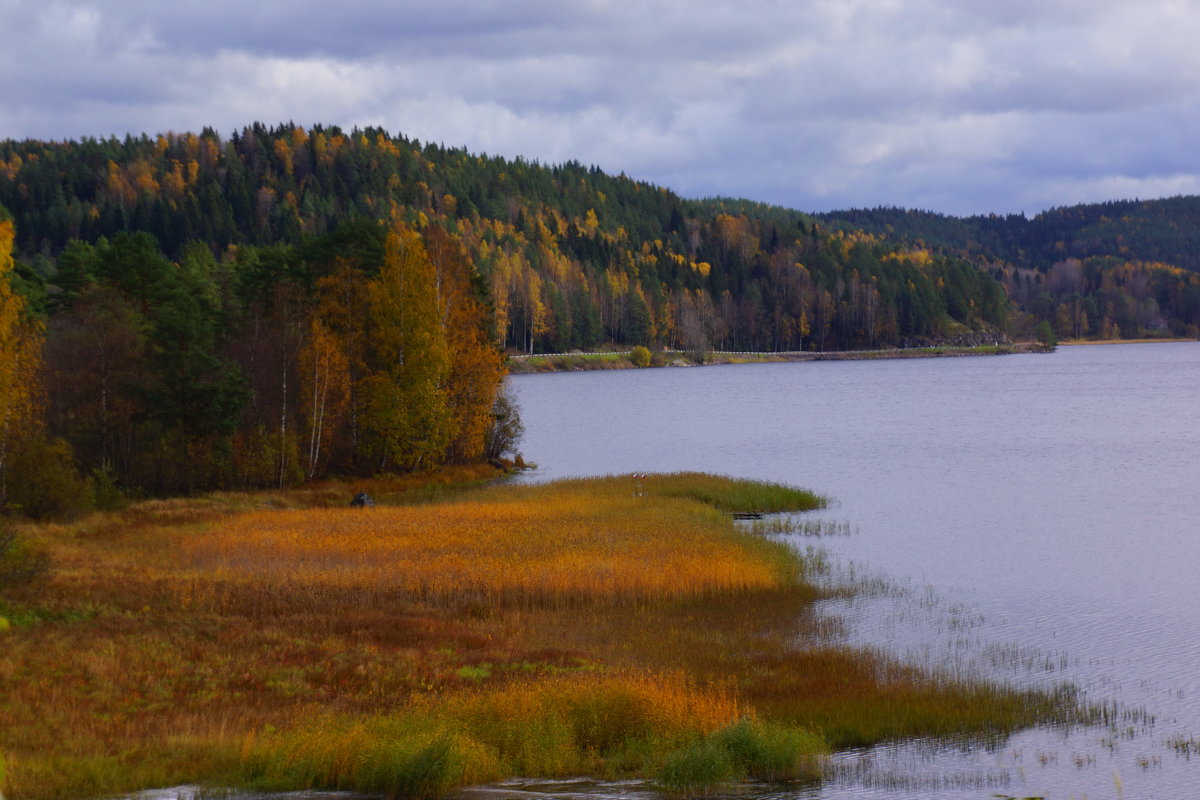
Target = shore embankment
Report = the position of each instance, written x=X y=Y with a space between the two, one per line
x=1074 y=342
x=622 y=359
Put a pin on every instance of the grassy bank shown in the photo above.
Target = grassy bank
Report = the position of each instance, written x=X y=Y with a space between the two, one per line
x=583 y=362
x=465 y=634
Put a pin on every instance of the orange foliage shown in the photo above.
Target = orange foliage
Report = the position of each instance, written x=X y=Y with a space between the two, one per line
x=567 y=548
x=475 y=370
x=20 y=361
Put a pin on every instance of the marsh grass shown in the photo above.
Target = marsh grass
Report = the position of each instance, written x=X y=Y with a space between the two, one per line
x=579 y=544
x=282 y=641
x=734 y=496
x=747 y=749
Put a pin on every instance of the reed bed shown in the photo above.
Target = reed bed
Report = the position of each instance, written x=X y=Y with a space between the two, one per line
x=603 y=725
x=565 y=550
x=284 y=641
x=734 y=496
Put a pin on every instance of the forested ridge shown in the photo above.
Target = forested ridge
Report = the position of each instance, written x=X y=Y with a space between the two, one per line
x=196 y=311
x=569 y=256
x=1124 y=268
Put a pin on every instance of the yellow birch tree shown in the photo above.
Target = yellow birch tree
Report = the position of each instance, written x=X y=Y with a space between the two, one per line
x=405 y=418
x=20 y=359
x=475 y=368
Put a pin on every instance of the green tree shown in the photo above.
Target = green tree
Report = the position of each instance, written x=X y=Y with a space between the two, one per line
x=20 y=562
x=96 y=371
x=1044 y=333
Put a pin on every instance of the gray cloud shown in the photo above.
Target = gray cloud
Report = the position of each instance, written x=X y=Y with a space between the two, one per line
x=952 y=105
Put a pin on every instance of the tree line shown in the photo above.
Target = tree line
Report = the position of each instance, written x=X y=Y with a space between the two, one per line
x=365 y=351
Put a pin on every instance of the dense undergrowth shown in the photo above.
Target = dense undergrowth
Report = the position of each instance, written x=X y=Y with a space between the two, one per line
x=460 y=634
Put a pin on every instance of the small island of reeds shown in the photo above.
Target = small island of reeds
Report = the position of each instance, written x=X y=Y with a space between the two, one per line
x=609 y=627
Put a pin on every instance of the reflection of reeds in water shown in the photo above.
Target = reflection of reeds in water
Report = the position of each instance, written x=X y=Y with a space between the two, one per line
x=1186 y=746
x=795 y=526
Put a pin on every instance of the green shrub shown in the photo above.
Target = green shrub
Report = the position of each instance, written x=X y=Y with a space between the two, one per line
x=108 y=495
x=700 y=769
x=412 y=768
x=398 y=756
x=774 y=753
x=20 y=561
x=43 y=481
x=1045 y=334
x=640 y=356
x=746 y=749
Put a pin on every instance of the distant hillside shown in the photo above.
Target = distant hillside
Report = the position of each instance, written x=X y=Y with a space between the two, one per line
x=570 y=257
x=1166 y=231
x=1123 y=268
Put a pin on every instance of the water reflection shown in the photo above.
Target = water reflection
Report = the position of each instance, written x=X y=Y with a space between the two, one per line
x=1024 y=519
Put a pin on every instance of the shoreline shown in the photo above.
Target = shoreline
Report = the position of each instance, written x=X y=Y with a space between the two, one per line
x=1089 y=342
x=581 y=362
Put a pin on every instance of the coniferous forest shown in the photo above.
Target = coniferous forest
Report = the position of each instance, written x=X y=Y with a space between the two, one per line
x=189 y=311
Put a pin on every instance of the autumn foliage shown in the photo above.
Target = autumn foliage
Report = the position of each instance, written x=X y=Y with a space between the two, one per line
x=367 y=352
x=510 y=551
x=410 y=649
x=20 y=359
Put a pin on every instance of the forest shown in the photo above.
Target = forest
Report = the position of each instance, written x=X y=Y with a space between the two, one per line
x=184 y=312
x=366 y=352
x=568 y=256
x=1121 y=269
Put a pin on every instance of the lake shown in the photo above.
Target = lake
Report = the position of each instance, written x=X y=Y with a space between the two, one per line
x=1027 y=518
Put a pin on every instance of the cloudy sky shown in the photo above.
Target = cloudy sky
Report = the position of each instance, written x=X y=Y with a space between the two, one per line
x=958 y=106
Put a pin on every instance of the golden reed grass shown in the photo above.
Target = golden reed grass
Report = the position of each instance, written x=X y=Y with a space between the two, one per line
x=241 y=639
x=608 y=725
x=568 y=549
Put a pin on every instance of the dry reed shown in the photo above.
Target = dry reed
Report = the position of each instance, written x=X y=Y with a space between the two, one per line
x=172 y=637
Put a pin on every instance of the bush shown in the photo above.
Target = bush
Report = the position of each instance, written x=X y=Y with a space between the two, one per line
x=20 y=562
x=640 y=356
x=746 y=749
x=43 y=481
x=506 y=430
x=774 y=753
x=698 y=770
x=107 y=494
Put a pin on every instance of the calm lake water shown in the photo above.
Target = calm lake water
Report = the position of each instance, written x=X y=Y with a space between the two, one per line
x=1031 y=519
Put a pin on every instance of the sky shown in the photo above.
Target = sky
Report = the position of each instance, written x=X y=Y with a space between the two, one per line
x=955 y=106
